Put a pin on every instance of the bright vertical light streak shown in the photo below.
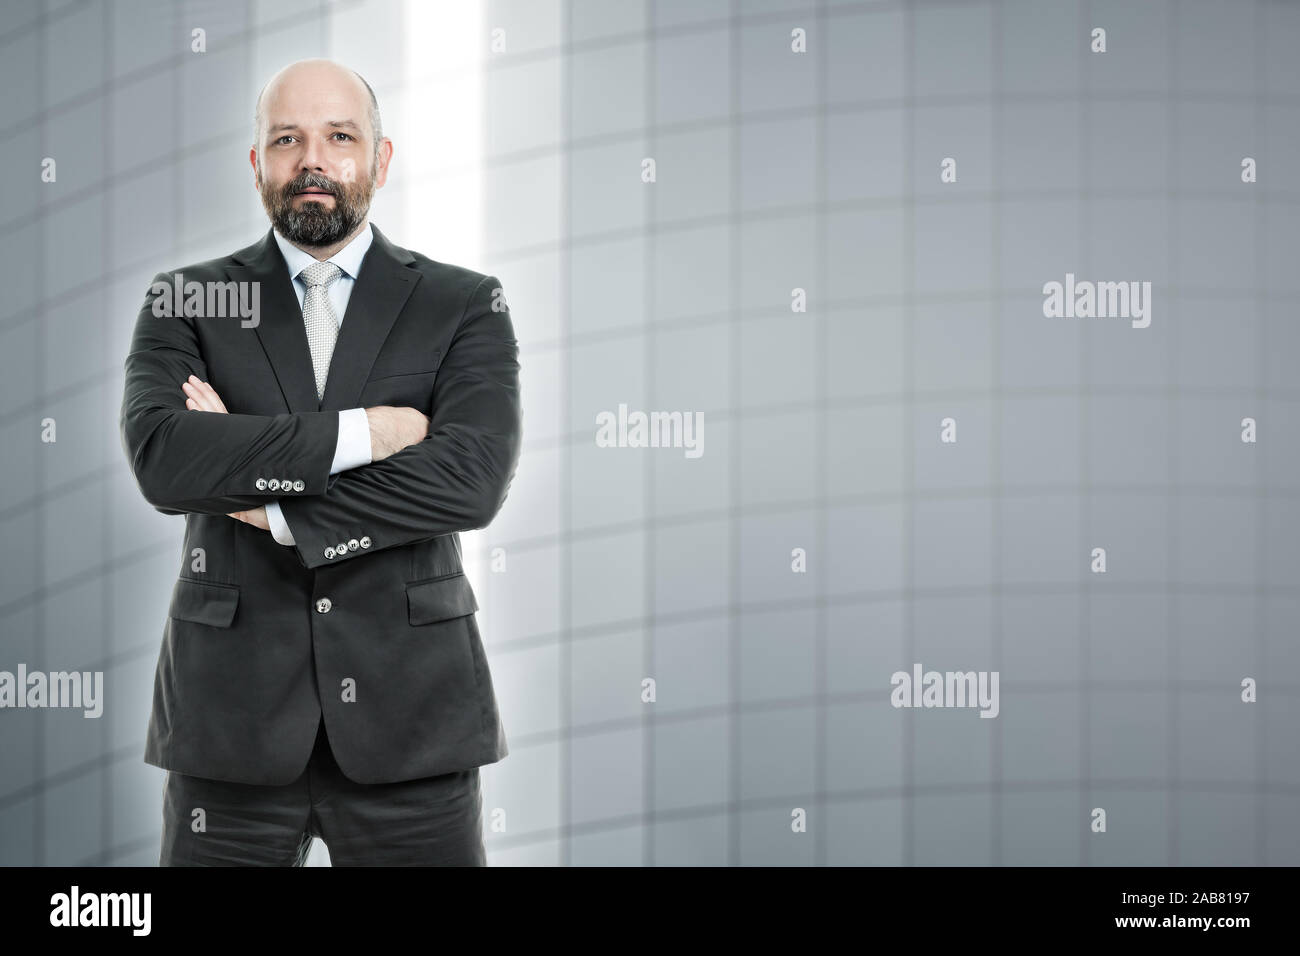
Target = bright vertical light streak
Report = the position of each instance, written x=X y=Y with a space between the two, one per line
x=443 y=129
x=443 y=136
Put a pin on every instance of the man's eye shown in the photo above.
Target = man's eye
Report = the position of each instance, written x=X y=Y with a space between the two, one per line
x=282 y=139
x=344 y=135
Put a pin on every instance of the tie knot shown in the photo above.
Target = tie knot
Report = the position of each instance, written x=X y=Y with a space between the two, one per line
x=320 y=273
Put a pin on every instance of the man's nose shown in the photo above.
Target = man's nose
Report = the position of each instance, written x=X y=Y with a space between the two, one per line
x=314 y=158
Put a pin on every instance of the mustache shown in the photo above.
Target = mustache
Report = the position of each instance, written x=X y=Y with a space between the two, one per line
x=312 y=181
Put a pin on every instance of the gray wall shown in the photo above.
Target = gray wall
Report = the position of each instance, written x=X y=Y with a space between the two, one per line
x=775 y=171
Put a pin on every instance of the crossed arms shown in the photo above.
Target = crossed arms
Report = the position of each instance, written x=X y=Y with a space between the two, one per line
x=382 y=431
x=455 y=478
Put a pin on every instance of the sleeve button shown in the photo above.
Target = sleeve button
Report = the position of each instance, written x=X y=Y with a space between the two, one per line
x=329 y=552
x=260 y=484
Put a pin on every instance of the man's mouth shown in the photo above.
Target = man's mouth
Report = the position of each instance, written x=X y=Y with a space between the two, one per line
x=313 y=192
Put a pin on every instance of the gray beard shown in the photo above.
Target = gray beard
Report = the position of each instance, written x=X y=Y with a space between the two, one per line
x=313 y=225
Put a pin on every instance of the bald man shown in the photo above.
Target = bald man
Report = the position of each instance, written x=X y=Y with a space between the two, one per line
x=321 y=673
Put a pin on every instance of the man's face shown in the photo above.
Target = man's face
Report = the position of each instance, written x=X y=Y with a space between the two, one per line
x=316 y=163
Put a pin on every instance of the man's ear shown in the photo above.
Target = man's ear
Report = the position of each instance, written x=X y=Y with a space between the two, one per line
x=252 y=161
x=384 y=158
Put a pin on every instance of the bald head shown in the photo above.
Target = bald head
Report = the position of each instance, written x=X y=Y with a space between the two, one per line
x=321 y=80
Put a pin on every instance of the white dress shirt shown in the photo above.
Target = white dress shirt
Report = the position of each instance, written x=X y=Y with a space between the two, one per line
x=353 y=446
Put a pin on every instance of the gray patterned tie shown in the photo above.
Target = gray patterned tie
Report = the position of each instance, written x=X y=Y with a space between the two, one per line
x=318 y=316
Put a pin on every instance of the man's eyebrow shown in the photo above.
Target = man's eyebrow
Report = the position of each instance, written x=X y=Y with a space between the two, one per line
x=338 y=124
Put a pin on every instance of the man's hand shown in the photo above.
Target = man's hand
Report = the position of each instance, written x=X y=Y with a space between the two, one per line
x=201 y=397
x=393 y=428
x=256 y=517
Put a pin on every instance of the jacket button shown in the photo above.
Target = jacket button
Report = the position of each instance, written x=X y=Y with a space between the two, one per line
x=273 y=484
x=365 y=541
x=329 y=552
x=353 y=544
x=299 y=485
x=261 y=484
x=341 y=547
x=323 y=606
x=285 y=484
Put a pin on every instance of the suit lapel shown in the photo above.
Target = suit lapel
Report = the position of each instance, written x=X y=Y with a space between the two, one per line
x=280 y=329
x=377 y=298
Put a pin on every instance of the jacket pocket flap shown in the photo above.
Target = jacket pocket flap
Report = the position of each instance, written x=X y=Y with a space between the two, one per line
x=204 y=603
x=440 y=599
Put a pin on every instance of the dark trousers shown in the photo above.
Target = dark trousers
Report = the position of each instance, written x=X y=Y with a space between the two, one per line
x=432 y=821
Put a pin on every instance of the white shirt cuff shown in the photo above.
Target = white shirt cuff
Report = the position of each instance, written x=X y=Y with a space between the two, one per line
x=279 y=527
x=350 y=451
x=353 y=447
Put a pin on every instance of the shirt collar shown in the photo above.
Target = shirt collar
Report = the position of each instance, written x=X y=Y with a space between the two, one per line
x=348 y=258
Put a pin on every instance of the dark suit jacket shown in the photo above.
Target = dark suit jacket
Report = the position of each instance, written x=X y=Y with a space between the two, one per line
x=369 y=617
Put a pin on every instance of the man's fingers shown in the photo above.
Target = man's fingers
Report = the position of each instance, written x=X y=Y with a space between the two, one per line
x=210 y=393
x=204 y=396
x=196 y=399
x=205 y=390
